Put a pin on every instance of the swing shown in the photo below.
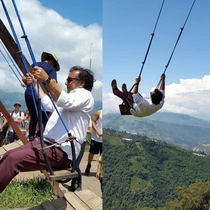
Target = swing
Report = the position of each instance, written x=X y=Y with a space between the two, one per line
x=60 y=176
x=123 y=109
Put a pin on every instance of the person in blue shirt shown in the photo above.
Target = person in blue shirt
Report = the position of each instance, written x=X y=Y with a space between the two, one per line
x=49 y=62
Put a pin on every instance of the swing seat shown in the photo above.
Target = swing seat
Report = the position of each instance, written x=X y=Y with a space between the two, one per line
x=63 y=175
x=124 y=110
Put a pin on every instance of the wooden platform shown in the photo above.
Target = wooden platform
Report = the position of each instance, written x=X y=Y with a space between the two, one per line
x=80 y=200
x=8 y=147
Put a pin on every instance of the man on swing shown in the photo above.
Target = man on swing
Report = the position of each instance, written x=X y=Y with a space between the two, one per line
x=75 y=112
x=143 y=107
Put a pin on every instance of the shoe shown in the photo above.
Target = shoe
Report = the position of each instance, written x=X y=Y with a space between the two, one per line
x=78 y=187
x=31 y=138
x=87 y=170
x=124 y=88
x=71 y=188
x=114 y=84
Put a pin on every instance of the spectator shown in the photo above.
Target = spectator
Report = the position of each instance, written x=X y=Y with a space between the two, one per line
x=3 y=128
x=96 y=140
x=18 y=117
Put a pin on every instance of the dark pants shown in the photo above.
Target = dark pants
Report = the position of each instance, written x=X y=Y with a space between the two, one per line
x=34 y=116
x=77 y=168
x=95 y=147
x=11 y=137
x=29 y=157
x=3 y=134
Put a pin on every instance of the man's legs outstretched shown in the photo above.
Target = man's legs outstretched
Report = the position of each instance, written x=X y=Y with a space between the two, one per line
x=29 y=158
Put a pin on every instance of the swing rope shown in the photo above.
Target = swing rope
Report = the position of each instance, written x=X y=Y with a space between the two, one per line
x=181 y=30
x=11 y=67
x=8 y=55
x=30 y=51
x=34 y=61
x=20 y=51
x=152 y=36
x=145 y=58
x=24 y=34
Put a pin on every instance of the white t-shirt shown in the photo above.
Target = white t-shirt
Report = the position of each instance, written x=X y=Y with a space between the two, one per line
x=75 y=109
x=16 y=116
x=99 y=125
x=143 y=107
x=1 y=120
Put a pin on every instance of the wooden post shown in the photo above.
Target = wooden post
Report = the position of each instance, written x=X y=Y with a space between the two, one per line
x=13 y=49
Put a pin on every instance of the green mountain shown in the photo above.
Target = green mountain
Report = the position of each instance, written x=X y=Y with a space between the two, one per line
x=9 y=98
x=205 y=148
x=178 y=129
x=140 y=172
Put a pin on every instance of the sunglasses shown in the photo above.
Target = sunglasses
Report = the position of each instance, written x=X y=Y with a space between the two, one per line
x=70 y=79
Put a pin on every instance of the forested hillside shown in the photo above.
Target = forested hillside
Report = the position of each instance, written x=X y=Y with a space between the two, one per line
x=178 y=129
x=145 y=173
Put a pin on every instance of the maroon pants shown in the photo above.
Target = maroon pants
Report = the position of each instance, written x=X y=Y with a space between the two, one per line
x=29 y=157
x=128 y=95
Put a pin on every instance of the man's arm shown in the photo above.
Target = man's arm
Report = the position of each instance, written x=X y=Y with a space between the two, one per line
x=99 y=167
x=94 y=119
x=18 y=121
x=136 y=87
x=4 y=123
x=162 y=84
x=52 y=86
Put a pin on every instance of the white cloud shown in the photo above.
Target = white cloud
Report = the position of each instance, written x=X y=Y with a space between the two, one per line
x=50 y=32
x=190 y=96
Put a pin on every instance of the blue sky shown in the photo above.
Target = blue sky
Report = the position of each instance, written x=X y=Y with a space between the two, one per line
x=70 y=29
x=81 y=11
x=127 y=28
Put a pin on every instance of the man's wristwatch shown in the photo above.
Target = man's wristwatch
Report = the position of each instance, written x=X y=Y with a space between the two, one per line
x=47 y=81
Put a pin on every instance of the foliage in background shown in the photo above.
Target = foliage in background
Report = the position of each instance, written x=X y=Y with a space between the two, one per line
x=146 y=173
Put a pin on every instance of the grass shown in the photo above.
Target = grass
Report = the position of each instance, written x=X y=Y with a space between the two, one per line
x=87 y=147
x=27 y=193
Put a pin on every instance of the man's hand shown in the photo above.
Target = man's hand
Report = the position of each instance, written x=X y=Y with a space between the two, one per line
x=162 y=85
x=138 y=79
x=98 y=175
x=29 y=78
x=39 y=74
x=99 y=134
